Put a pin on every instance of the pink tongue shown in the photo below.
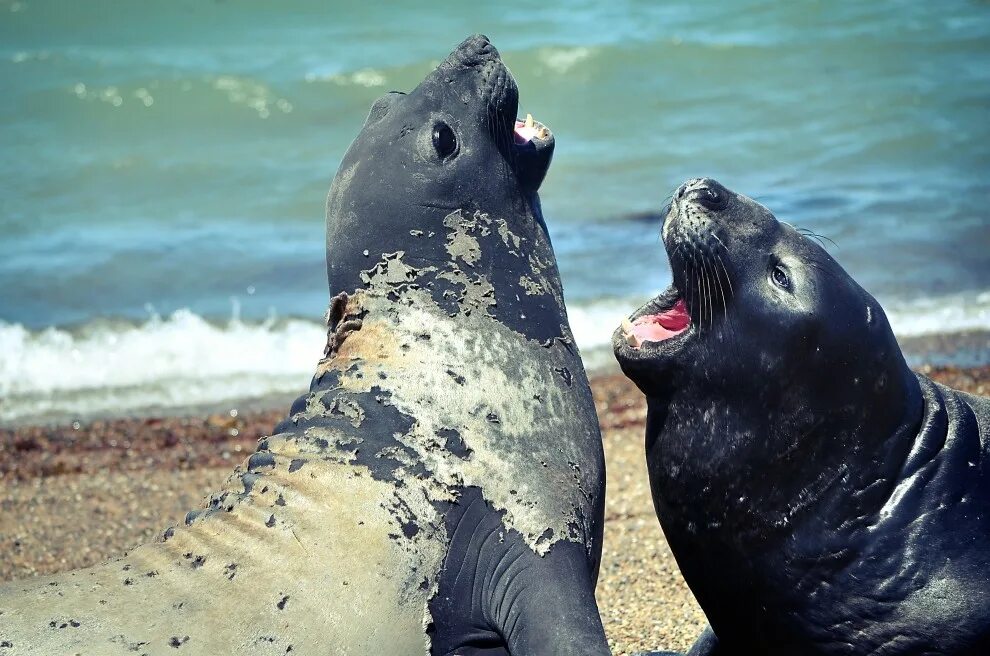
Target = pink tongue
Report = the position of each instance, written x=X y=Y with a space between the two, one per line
x=524 y=134
x=658 y=327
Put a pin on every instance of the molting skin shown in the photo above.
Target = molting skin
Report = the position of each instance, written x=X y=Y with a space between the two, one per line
x=440 y=489
x=820 y=498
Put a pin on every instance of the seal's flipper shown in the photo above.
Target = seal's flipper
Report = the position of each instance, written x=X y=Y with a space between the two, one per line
x=546 y=606
x=495 y=592
x=706 y=644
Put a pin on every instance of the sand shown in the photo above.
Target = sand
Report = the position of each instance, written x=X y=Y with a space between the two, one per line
x=74 y=495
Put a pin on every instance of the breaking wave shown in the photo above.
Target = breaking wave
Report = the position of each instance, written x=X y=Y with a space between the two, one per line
x=165 y=364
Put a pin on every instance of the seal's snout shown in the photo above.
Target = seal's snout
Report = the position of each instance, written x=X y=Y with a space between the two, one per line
x=701 y=286
x=473 y=52
x=707 y=192
x=476 y=65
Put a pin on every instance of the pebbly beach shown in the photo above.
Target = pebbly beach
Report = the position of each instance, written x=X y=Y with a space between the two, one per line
x=75 y=494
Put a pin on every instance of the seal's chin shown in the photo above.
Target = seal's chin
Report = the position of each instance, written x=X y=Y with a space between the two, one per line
x=532 y=144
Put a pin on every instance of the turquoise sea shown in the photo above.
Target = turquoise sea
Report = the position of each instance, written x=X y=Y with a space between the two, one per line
x=165 y=164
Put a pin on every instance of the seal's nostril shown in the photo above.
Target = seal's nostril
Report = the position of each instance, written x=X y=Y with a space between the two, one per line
x=476 y=50
x=681 y=191
x=710 y=194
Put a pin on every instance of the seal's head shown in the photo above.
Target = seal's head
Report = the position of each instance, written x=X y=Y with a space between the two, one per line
x=453 y=144
x=761 y=333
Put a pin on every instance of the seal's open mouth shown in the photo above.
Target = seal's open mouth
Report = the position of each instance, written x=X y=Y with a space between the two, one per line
x=530 y=131
x=532 y=145
x=662 y=319
x=657 y=327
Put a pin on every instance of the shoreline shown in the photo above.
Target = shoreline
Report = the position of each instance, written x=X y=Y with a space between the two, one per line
x=198 y=383
x=75 y=494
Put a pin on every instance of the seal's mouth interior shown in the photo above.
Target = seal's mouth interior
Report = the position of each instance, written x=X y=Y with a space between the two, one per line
x=530 y=131
x=662 y=319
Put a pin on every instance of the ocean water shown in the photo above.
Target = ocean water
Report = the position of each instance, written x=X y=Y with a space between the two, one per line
x=165 y=166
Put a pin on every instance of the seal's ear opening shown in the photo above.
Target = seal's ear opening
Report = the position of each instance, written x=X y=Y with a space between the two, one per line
x=381 y=106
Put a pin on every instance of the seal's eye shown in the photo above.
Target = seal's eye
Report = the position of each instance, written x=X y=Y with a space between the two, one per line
x=444 y=140
x=779 y=277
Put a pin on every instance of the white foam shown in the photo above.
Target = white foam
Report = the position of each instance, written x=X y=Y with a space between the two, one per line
x=180 y=361
x=943 y=314
x=561 y=60
x=185 y=361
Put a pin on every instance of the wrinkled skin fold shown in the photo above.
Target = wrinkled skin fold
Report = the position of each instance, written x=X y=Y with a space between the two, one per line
x=819 y=497
x=440 y=489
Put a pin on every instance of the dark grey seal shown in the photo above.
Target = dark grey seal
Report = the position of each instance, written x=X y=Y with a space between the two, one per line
x=820 y=498
x=440 y=489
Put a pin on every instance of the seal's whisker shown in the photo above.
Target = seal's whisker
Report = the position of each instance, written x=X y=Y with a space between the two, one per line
x=708 y=292
x=701 y=296
x=726 y=249
x=493 y=122
x=820 y=238
x=688 y=292
x=713 y=280
x=727 y=280
x=493 y=127
x=729 y=326
x=721 y=289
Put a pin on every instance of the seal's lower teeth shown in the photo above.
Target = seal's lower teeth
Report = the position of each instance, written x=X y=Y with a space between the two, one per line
x=529 y=120
x=629 y=335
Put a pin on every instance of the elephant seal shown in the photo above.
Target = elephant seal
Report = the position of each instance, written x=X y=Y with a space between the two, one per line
x=819 y=497
x=440 y=489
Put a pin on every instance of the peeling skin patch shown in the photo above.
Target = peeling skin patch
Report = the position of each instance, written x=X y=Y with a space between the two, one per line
x=391 y=271
x=530 y=286
x=509 y=238
x=476 y=294
x=461 y=244
x=544 y=422
x=346 y=408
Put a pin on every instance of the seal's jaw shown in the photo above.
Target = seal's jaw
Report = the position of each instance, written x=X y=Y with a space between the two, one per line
x=655 y=333
x=697 y=303
x=532 y=144
x=658 y=321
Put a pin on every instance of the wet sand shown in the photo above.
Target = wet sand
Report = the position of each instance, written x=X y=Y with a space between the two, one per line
x=74 y=495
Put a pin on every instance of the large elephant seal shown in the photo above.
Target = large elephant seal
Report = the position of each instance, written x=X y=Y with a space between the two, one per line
x=441 y=488
x=819 y=497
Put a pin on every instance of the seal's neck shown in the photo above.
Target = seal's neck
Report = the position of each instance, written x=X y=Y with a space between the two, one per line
x=744 y=469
